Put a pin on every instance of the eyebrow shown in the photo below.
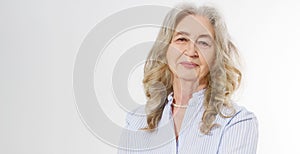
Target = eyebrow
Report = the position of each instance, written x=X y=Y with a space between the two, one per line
x=188 y=34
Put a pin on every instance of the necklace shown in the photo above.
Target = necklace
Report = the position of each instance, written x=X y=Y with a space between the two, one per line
x=180 y=106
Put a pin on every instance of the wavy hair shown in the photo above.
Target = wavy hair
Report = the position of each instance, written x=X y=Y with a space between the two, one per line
x=223 y=78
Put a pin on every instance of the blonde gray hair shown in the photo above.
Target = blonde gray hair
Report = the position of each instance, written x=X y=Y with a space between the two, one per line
x=223 y=79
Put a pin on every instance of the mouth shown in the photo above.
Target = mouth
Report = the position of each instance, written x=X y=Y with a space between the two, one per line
x=187 y=64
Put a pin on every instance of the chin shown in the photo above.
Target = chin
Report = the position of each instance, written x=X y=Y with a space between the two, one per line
x=188 y=77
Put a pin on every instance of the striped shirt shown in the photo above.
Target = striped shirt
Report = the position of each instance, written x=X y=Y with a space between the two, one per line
x=235 y=135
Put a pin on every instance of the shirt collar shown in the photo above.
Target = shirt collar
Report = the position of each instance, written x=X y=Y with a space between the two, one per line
x=196 y=99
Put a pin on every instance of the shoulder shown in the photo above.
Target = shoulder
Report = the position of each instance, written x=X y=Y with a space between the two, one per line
x=240 y=132
x=136 y=118
x=242 y=118
x=242 y=114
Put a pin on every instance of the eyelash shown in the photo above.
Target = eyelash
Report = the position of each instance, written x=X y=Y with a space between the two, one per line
x=202 y=43
x=182 y=39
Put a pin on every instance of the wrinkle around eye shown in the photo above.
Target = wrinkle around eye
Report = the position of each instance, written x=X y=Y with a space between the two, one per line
x=204 y=44
x=181 y=40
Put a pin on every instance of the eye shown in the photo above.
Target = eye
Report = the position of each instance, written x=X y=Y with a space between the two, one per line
x=204 y=44
x=182 y=39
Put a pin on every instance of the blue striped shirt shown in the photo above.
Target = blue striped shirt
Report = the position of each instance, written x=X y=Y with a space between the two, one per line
x=235 y=135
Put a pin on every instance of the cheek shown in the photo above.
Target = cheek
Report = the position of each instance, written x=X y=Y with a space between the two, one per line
x=172 y=55
x=206 y=61
x=204 y=64
x=207 y=58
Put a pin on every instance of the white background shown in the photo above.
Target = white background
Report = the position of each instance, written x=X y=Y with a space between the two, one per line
x=39 y=41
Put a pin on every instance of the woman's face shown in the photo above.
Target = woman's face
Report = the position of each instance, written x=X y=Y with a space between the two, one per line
x=191 y=50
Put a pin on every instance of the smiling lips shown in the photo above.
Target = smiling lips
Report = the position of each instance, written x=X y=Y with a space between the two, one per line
x=189 y=65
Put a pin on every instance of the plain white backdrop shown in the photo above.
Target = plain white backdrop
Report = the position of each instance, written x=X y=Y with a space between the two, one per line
x=39 y=41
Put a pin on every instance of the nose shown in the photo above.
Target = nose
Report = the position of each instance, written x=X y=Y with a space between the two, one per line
x=191 y=50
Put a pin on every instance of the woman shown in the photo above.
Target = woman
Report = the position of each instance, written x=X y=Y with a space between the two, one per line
x=189 y=77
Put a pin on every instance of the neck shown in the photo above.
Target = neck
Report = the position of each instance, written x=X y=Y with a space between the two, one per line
x=184 y=89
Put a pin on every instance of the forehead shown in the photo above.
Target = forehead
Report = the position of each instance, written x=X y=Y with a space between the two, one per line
x=195 y=25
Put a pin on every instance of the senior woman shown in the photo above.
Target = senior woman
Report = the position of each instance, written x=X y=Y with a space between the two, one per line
x=189 y=77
